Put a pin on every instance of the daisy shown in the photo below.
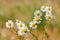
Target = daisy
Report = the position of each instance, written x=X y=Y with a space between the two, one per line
x=20 y=24
x=37 y=13
x=25 y=30
x=43 y=8
x=9 y=24
x=49 y=17
x=49 y=8
x=37 y=20
x=32 y=25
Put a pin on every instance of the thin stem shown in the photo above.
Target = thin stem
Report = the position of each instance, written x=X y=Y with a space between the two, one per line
x=13 y=32
x=45 y=33
x=14 y=29
x=34 y=36
x=20 y=37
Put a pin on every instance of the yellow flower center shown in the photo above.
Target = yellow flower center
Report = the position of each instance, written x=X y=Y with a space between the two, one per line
x=37 y=19
x=24 y=30
x=21 y=25
x=38 y=13
x=49 y=17
x=9 y=23
x=33 y=24
x=48 y=8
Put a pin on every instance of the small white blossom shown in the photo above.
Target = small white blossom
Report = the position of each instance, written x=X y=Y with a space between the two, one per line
x=49 y=17
x=37 y=20
x=32 y=25
x=20 y=24
x=23 y=31
x=37 y=13
x=43 y=8
x=9 y=24
x=48 y=8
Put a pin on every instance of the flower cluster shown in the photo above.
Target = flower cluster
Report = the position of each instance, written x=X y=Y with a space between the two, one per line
x=37 y=19
x=48 y=12
x=23 y=29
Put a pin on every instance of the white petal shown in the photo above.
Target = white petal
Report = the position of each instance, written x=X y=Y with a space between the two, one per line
x=43 y=9
x=34 y=27
x=20 y=33
x=10 y=21
x=17 y=20
x=38 y=22
x=48 y=7
x=36 y=12
x=7 y=25
x=30 y=26
x=48 y=13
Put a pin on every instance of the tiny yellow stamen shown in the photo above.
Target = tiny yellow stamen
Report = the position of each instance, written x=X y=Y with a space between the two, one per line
x=48 y=8
x=9 y=23
x=33 y=24
x=24 y=30
x=49 y=17
x=37 y=19
x=21 y=25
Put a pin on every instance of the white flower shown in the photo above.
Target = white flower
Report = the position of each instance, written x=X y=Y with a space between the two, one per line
x=49 y=17
x=48 y=13
x=20 y=24
x=9 y=24
x=23 y=31
x=32 y=25
x=49 y=8
x=43 y=8
x=37 y=20
x=37 y=13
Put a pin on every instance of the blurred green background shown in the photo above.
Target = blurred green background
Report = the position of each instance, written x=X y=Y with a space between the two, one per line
x=24 y=10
